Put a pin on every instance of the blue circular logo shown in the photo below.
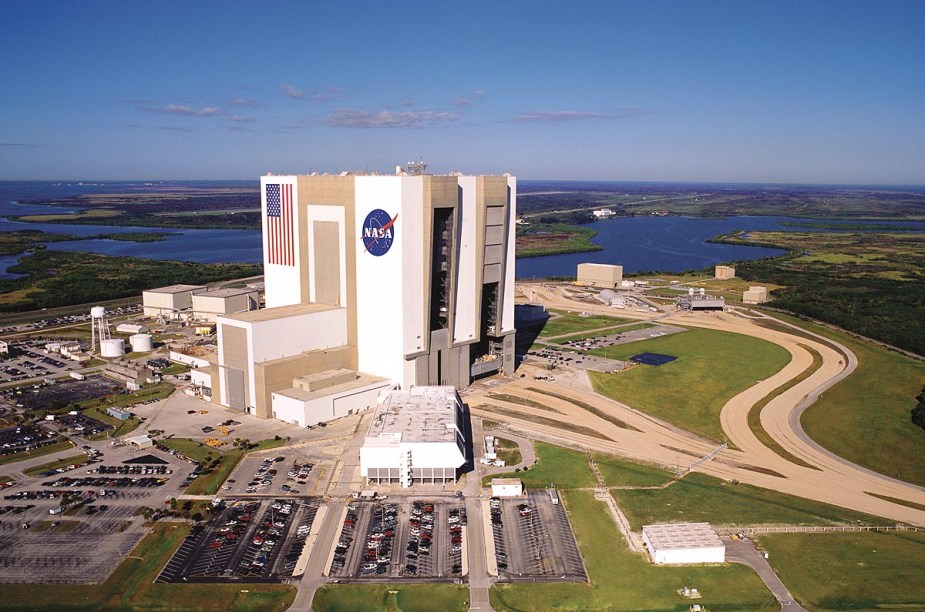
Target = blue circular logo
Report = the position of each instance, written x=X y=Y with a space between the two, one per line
x=378 y=232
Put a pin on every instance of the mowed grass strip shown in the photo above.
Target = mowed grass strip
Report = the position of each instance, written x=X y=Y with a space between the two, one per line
x=754 y=414
x=711 y=368
x=622 y=580
x=563 y=468
x=613 y=420
x=540 y=420
x=131 y=586
x=523 y=401
x=866 y=418
x=698 y=497
x=851 y=571
x=391 y=597
x=209 y=482
x=37 y=452
x=54 y=465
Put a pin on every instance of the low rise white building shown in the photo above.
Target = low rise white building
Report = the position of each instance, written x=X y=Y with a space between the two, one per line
x=169 y=302
x=328 y=395
x=131 y=328
x=507 y=487
x=209 y=305
x=415 y=435
x=683 y=543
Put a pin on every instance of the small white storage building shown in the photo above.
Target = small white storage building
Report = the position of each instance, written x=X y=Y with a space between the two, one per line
x=507 y=487
x=683 y=543
x=169 y=301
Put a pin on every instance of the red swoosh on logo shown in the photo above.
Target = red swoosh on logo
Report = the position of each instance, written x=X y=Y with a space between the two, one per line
x=383 y=228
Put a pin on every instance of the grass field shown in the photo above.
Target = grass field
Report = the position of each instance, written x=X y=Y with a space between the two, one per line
x=618 y=472
x=54 y=465
x=573 y=323
x=508 y=451
x=564 y=468
x=130 y=587
x=622 y=329
x=851 y=571
x=391 y=597
x=209 y=482
x=690 y=391
x=37 y=452
x=621 y=580
x=866 y=418
x=698 y=497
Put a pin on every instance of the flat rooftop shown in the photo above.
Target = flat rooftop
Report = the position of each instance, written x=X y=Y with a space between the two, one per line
x=423 y=414
x=225 y=293
x=280 y=312
x=362 y=380
x=175 y=289
x=682 y=535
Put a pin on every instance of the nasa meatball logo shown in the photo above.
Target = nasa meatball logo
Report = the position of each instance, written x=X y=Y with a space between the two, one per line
x=378 y=232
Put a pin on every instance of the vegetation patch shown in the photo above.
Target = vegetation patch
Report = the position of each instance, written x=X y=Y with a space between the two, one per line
x=535 y=418
x=54 y=465
x=562 y=322
x=620 y=472
x=851 y=571
x=699 y=497
x=538 y=238
x=131 y=586
x=563 y=468
x=37 y=452
x=523 y=401
x=508 y=451
x=690 y=392
x=754 y=413
x=865 y=418
x=622 y=580
x=391 y=597
x=613 y=420
x=216 y=465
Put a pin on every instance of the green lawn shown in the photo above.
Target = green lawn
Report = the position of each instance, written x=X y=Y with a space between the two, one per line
x=711 y=367
x=562 y=467
x=572 y=322
x=37 y=452
x=622 y=329
x=622 y=580
x=508 y=451
x=54 y=465
x=131 y=586
x=866 y=418
x=698 y=497
x=851 y=571
x=617 y=471
x=209 y=482
x=391 y=597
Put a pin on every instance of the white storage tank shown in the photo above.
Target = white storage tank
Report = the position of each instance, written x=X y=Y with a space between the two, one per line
x=142 y=343
x=98 y=312
x=114 y=347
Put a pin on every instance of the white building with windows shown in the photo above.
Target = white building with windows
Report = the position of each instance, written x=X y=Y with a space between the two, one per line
x=415 y=436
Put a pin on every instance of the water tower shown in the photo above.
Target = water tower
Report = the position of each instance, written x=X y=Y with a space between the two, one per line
x=99 y=327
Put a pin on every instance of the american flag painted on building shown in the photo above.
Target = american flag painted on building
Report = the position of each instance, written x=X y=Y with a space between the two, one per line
x=280 y=225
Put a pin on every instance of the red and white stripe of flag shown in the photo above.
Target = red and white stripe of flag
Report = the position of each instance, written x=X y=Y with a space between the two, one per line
x=281 y=235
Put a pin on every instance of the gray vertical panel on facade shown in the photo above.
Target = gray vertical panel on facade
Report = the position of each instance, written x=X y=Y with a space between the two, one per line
x=235 y=385
x=327 y=262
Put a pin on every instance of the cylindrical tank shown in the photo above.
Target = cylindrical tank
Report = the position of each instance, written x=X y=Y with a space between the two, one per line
x=141 y=343
x=97 y=312
x=114 y=347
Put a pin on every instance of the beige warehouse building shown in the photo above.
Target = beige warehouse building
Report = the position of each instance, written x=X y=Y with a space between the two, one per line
x=209 y=305
x=603 y=276
x=755 y=295
x=170 y=301
x=724 y=272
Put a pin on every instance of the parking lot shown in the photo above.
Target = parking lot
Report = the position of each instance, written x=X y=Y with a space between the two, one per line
x=408 y=539
x=295 y=474
x=533 y=539
x=256 y=540
x=27 y=437
x=30 y=361
x=61 y=393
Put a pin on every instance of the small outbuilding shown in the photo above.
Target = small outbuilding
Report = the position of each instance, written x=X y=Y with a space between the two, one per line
x=507 y=487
x=142 y=441
x=683 y=543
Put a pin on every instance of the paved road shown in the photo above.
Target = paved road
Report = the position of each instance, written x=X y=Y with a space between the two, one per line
x=742 y=552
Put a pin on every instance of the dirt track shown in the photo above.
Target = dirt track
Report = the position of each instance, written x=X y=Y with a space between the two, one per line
x=834 y=480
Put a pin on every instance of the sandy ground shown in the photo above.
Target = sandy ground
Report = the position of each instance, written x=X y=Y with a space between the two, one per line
x=834 y=480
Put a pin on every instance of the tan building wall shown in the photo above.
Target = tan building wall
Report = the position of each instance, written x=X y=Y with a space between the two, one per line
x=272 y=376
x=755 y=295
x=725 y=272
x=599 y=275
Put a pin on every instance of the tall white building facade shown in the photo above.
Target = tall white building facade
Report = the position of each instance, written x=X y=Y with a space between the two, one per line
x=418 y=272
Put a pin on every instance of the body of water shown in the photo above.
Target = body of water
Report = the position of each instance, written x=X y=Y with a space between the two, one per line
x=637 y=243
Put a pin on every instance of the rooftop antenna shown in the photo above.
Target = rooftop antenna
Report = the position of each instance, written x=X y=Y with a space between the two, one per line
x=416 y=168
x=99 y=327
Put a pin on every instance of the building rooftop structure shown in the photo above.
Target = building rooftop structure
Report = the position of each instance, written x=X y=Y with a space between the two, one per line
x=225 y=293
x=423 y=414
x=682 y=535
x=279 y=312
x=175 y=289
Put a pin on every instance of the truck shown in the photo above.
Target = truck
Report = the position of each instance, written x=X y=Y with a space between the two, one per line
x=57 y=510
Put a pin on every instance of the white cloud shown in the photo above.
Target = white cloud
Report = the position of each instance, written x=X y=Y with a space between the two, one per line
x=290 y=91
x=180 y=109
x=357 y=118
x=249 y=102
x=564 y=116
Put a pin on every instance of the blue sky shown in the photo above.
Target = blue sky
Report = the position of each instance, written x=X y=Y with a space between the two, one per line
x=741 y=91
